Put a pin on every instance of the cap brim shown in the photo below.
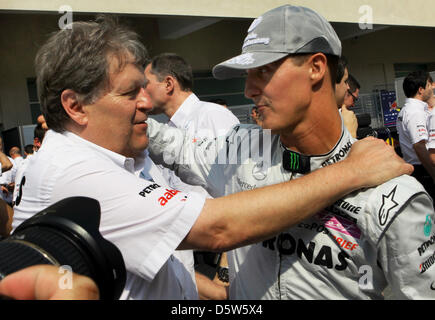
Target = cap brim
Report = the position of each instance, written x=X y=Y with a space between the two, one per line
x=235 y=67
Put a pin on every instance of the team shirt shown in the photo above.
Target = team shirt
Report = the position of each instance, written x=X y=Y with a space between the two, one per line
x=431 y=127
x=5 y=179
x=146 y=220
x=369 y=241
x=412 y=128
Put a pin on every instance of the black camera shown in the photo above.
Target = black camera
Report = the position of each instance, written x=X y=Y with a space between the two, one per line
x=67 y=234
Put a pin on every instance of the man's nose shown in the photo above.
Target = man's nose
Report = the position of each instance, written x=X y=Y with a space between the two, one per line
x=144 y=101
x=251 y=87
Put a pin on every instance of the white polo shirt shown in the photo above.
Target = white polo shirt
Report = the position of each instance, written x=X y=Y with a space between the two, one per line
x=203 y=119
x=5 y=179
x=145 y=220
x=412 y=127
x=146 y=169
x=431 y=127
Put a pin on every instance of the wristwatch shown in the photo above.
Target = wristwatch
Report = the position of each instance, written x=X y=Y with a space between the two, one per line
x=222 y=273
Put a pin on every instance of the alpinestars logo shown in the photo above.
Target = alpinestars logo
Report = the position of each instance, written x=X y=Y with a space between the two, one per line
x=388 y=204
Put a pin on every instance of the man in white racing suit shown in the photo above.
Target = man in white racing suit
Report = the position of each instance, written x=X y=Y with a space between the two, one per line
x=367 y=241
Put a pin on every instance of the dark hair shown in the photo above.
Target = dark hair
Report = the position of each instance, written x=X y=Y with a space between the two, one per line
x=341 y=67
x=78 y=59
x=353 y=83
x=166 y=64
x=39 y=132
x=28 y=149
x=14 y=150
x=219 y=101
x=414 y=81
x=332 y=62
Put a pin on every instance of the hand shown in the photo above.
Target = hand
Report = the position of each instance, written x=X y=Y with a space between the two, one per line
x=5 y=190
x=375 y=162
x=41 y=282
x=350 y=121
x=11 y=187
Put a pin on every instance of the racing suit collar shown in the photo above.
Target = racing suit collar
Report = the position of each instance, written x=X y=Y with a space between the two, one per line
x=299 y=163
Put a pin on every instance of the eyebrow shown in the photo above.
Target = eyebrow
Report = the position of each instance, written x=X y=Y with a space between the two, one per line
x=132 y=85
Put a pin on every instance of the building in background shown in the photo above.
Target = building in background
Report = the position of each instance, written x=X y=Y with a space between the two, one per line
x=382 y=40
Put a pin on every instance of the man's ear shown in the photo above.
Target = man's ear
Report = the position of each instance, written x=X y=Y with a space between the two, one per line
x=169 y=84
x=318 y=66
x=73 y=107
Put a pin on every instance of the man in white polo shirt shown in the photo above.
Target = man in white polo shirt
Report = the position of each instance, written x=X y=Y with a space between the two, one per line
x=412 y=127
x=170 y=87
x=93 y=99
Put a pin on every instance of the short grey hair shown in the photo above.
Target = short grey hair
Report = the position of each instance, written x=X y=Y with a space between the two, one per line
x=78 y=59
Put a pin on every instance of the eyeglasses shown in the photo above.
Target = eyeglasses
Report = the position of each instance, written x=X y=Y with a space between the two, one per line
x=355 y=99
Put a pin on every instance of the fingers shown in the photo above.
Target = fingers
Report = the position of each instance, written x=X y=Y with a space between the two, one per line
x=376 y=162
x=42 y=282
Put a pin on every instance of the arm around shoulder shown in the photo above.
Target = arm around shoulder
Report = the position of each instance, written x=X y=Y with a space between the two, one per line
x=255 y=215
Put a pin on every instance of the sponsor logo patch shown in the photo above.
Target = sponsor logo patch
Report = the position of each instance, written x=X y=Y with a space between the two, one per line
x=340 y=224
x=323 y=256
x=259 y=172
x=244 y=185
x=169 y=194
x=340 y=154
x=426 y=245
x=427 y=264
x=388 y=204
x=244 y=59
x=148 y=189
x=427 y=226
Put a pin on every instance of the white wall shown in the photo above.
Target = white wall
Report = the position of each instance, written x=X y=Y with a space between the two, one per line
x=371 y=56
x=394 y=12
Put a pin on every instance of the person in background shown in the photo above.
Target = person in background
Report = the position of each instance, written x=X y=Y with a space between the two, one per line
x=41 y=122
x=341 y=87
x=431 y=130
x=15 y=154
x=170 y=88
x=412 y=122
x=352 y=94
x=222 y=102
x=290 y=58
x=28 y=150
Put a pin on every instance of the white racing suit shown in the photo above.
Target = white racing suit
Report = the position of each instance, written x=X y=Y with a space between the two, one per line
x=369 y=240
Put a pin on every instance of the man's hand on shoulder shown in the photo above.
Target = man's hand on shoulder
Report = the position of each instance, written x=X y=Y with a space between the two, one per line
x=374 y=162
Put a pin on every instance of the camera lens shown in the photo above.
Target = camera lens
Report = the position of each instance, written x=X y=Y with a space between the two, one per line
x=66 y=234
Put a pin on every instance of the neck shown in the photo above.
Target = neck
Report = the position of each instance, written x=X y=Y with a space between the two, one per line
x=318 y=133
x=418 y=97
x=175 y=102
